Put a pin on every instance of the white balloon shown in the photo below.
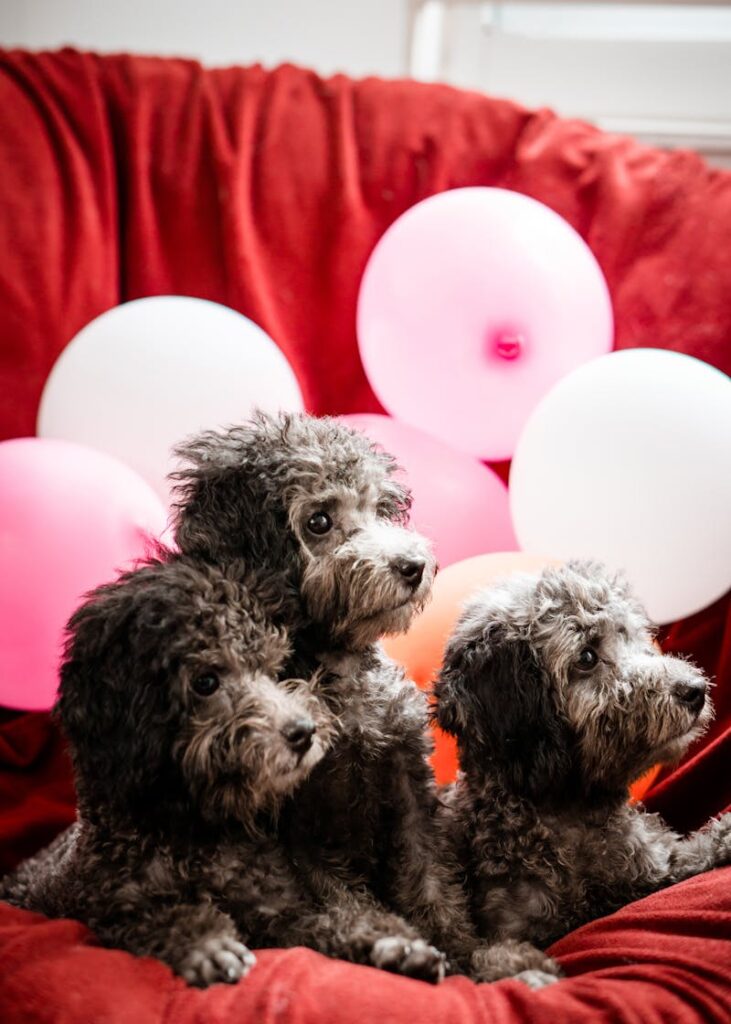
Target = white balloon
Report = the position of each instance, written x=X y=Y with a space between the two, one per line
x=145 y=375
x=628 y=460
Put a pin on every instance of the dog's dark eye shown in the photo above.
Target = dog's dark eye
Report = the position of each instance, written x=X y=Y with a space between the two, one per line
x=587 y=660
x=319 y=523
x=206 y=684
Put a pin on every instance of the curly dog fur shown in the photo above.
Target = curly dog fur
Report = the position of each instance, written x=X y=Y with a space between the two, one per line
x=185 y=742
x=318 y=503
x=559 y=700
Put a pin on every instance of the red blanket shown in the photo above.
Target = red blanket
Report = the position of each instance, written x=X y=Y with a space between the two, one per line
x=666 y=959
x=123 y=177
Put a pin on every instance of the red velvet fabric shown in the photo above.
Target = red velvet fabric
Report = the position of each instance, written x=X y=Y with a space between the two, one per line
x=665 y=959
x=123 y=177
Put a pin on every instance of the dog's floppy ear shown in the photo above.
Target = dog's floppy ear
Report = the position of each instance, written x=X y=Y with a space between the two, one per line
x=455 y=698
x=119 y=722
x=494 y=696
x=227 y=502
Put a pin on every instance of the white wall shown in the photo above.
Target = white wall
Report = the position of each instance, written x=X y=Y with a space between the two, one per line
x=359 y=37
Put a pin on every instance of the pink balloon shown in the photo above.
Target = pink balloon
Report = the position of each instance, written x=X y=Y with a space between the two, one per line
x=473 y=304
x=70 y=519
x=461 y=505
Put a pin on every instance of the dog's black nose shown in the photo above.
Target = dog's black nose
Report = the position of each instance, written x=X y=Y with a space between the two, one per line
x=298 y=733
x=693 y=695
x=410 y=569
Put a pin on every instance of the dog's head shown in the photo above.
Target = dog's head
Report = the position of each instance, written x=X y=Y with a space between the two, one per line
x=314 y=499
x=554 y=683
x=170 y=700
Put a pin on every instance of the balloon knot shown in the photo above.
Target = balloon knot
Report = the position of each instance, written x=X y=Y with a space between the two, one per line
x=508 y=344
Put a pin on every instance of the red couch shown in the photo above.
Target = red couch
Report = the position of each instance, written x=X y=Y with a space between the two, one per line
x=123 y=177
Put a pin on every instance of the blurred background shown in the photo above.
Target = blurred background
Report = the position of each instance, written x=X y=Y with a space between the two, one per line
x=659 y=71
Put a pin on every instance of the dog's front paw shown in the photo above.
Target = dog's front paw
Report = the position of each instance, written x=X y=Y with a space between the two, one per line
x=411 y=957
x=536 y=979
x=220 y=959
x=512 y=959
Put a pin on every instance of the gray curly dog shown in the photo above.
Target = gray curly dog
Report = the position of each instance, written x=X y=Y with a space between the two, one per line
x=184 y=744
x=559 y=700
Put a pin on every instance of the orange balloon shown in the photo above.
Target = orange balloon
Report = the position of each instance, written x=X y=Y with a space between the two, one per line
x=421 y=650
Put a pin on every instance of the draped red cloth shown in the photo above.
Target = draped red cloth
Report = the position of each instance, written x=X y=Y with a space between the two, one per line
x=122 y=177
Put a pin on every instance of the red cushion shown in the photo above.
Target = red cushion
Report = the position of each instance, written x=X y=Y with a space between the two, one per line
x=667 y=958
x=124 y=177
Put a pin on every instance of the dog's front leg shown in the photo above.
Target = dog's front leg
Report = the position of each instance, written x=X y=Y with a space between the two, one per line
x=511 y=959
x=352 y=925
x=428 y=886
x=198 y=941
x=702 y=851
x=28 y=886
x=423 y=880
